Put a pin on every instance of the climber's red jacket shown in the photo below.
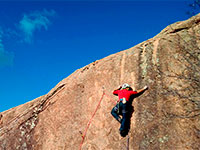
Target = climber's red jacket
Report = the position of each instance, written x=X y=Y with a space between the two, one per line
x=124 y=94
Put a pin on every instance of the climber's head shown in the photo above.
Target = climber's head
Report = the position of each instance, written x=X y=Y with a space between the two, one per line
x=125 y=86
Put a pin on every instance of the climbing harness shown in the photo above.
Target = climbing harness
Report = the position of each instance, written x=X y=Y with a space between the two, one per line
x=123 y=100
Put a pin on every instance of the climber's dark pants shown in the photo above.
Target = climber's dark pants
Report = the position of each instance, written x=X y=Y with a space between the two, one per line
x=121 y=109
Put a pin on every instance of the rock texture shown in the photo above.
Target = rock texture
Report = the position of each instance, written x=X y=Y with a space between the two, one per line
x=166 y=117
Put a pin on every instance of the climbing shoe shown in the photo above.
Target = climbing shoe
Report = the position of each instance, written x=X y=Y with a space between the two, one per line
x=123 y=133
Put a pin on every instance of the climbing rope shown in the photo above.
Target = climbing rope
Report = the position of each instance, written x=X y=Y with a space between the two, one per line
x=88 y=124
x=110 y=98
x=90 y=121
x=127 y=147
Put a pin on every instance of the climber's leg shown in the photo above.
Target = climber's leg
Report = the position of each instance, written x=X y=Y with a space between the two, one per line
x=125 y=119
x=115 y=113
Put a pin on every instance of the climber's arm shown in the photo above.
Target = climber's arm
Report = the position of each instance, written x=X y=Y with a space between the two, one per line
x=119 y=88
x=142 y=90
x=115 y=92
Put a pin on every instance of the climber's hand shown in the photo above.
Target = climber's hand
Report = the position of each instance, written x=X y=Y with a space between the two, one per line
x=145 y=87
x=119 y=87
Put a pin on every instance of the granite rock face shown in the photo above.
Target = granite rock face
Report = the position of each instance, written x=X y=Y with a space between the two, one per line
x=166 y=117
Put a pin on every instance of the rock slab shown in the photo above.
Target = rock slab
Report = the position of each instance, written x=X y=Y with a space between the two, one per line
x=166 y=117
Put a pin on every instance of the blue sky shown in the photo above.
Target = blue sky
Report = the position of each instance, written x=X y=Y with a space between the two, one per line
x=42 y=42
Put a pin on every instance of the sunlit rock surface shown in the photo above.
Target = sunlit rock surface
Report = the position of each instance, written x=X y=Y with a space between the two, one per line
x=166 y=117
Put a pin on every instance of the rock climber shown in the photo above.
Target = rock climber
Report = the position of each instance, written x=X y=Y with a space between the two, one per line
x=124 y=93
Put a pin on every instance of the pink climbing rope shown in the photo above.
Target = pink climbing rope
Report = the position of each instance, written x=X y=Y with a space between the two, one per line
x=88 y=124
x=110 y=98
